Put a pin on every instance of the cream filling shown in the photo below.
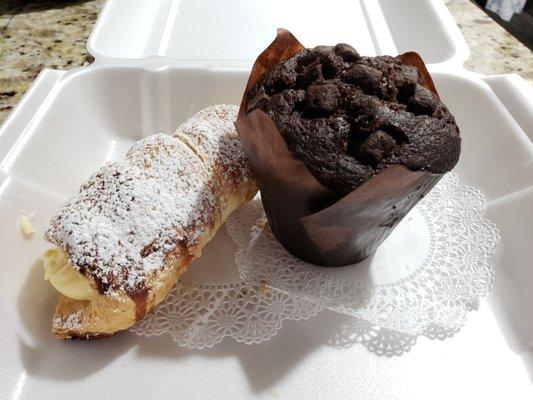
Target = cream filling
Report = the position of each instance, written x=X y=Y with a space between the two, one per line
x=65 y=278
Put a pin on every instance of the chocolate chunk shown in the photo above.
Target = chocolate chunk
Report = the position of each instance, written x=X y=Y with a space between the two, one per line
x=366 y=77
x=331 y=63
x=306 y=58
x=408 y=75
x=322 y=50
x=347 y=52
x=310 y=75
x=375 y=147
x=423 y=101
x=322 y=98
x=405 y=82
x=396 y=130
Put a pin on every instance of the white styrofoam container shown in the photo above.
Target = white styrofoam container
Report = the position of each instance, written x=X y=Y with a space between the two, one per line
x=157 y=63
x=233 y=32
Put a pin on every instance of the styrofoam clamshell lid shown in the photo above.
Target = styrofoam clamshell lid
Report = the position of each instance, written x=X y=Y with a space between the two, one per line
x=217 y=33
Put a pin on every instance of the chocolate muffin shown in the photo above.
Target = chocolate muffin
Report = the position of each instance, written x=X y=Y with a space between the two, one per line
x=348 y=117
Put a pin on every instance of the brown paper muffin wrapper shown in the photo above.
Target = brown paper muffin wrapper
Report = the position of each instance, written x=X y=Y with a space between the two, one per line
x=310 y=221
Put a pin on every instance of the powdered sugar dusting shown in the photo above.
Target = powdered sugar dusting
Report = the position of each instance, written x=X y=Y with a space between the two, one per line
x=69 y=322
x=130 y=215
x=210 y=133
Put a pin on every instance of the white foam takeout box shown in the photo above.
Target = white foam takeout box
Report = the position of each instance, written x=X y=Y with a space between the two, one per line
x=157 y=63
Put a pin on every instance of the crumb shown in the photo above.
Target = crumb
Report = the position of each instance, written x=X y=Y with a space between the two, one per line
x=25 y=224
x=261 y=222
x=263 y=288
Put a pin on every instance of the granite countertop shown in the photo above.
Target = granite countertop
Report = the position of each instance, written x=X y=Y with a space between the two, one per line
x=52 y=33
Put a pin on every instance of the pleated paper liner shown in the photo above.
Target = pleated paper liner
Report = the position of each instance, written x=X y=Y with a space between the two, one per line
x=310 y=221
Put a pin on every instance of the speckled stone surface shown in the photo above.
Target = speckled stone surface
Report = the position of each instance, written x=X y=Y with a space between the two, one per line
x=52 y=33
x=35 y=35
x=493 y=50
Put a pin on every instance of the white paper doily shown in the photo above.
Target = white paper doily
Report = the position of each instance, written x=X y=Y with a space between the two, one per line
x=201 y=316
x=425 y=277
x=422 y=281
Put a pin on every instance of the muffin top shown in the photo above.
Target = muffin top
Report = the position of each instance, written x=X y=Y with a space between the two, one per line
x=348 y=117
